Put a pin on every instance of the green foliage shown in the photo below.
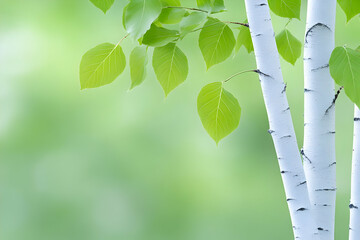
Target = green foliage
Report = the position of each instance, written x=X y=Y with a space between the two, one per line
x=101 y=65
x=213 y=6
x=139 y=15
x=345 y=69
x=159 y=36
x=216 y=42
x=350 y=7
x=191 y=22
x=143 y=20
x=219 y=110
x=138 y=62
x=172 y=15
x=286 y=8
x=244 y=39
x=289 y=46
x=104 y=5
x=171 y=3
x=170 y=66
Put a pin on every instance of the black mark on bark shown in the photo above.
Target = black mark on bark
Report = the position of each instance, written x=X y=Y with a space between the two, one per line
x=287 y=136
x=318 y=25
x=334 y=100
x=325 y=190
x=321 y=229
x=319 y=68
x=287 y=109
x=302 y=183
x=304 y=155
x=352 y=206
x=263 y=74
x=334 y=163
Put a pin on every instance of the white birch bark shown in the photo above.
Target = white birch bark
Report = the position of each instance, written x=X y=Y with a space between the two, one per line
x=354 y=229
x=319 y=115
x=281 y=125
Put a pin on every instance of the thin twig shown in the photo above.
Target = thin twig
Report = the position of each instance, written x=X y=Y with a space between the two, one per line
x=238 y=23
x=188 y=8
x=237 y=74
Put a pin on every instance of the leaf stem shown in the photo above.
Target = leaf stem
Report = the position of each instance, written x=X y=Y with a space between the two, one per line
x=290 y=19
x=188 y=8
x=121 y=40
x=239 y=73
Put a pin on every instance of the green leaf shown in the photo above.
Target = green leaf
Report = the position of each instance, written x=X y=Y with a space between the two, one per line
x=219 y=110
x=192 y=21
x=175 y=3
x=350 y=7
x=286 y=8
x=104 y=5
x=289 y=47
x=170 y=66
x=216 y=42
x=158 y=36
x=244 y=39
x=138 y=62
x=101 y=65
x=345 y=69
x=139 y=14
x=172 y=15
x=213 y=6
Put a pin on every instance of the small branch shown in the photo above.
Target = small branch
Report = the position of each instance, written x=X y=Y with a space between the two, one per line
x=239 y=73
x=188 y=8
x=238 y=23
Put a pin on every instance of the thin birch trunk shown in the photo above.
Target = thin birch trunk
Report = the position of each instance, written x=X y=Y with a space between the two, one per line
x=354 y=229
x=281 y=125
x=319 y=115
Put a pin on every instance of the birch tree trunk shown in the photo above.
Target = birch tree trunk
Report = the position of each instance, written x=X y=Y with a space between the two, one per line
x=319 y=115
x=281 y=125
x=354 y=229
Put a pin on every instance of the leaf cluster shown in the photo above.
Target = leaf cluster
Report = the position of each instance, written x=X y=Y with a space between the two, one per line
x=161 y=25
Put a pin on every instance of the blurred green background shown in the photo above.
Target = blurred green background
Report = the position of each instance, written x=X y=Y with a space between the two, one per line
x=114 y=164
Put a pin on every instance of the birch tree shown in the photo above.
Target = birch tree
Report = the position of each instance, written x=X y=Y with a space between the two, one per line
x=319 y=114
x=308 y=174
